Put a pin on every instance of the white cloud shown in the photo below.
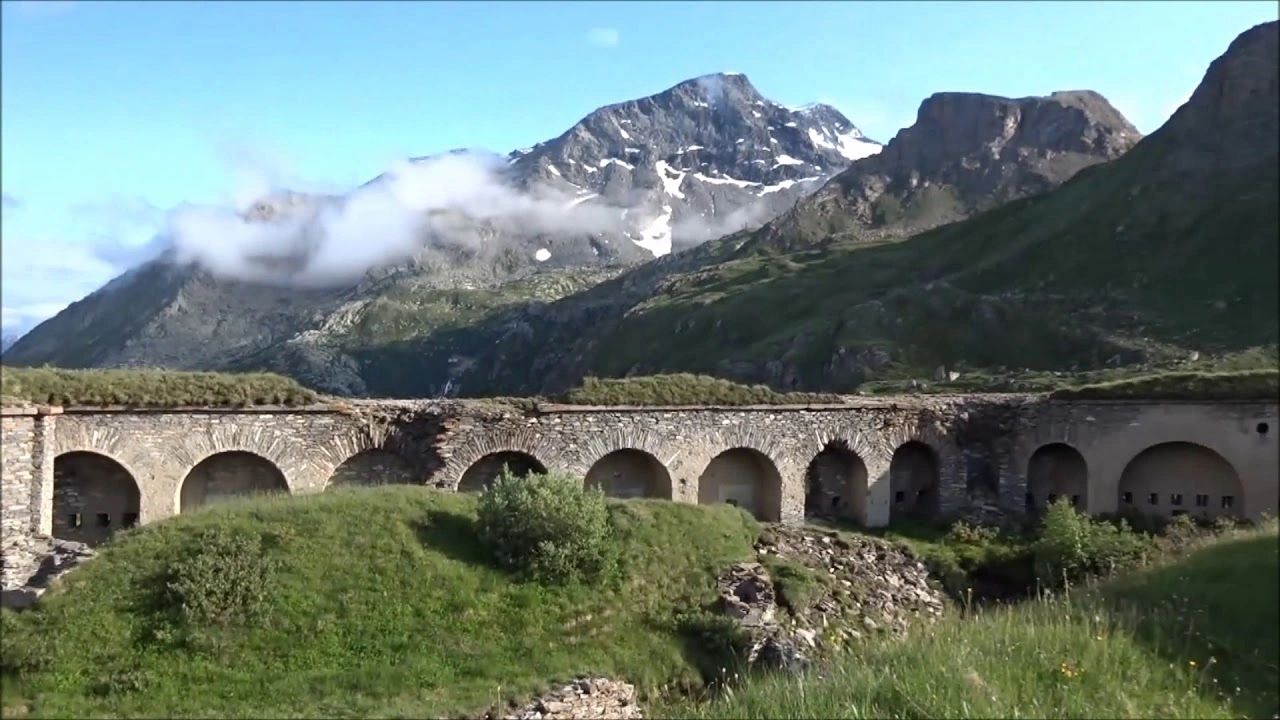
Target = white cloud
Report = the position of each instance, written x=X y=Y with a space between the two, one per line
x=603 y=37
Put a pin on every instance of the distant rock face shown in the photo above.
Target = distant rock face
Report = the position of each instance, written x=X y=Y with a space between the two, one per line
x=1230 y=119
x=705 y=158
x=965 y=153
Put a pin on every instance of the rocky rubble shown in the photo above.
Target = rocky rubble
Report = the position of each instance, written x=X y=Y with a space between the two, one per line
x=50 y=559
x=583 y=698
x=867 y=586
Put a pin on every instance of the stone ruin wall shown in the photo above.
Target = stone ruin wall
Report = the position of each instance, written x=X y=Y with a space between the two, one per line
x=982 y=447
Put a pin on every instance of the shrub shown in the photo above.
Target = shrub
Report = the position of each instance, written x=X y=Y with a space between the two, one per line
x=149 y=388
x=223 y=580
x=966 y=534
x=548 y=527
x=1072 y=546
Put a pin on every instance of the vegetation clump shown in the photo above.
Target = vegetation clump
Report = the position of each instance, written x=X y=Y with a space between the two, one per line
x=686 y=389
x=1073 y=546
x=151 y=388
x=1238 y=385
x=548 y=527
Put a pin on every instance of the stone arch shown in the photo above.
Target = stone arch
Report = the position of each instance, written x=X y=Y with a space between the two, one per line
x=836 y=483
x=488 y=468
x=1175 y=477
x=628 y=472
x=1054 y=471
x=94 y=495
x=914 y=481
x=372 y=467
x=745 y=477
x=227 y=475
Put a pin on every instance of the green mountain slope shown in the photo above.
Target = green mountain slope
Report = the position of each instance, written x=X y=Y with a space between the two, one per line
x=1166 y=254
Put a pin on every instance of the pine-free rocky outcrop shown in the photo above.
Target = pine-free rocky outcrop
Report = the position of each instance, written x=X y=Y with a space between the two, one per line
x=857 y=586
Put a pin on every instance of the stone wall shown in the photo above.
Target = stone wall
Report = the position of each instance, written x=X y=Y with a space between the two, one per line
x=972 y=455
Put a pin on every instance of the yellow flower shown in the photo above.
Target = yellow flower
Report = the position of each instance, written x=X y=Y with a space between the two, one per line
x=1192 y=663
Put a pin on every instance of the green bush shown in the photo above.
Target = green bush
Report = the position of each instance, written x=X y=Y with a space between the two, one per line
x=548 y=527
x=223 y=580
x=1072 y=546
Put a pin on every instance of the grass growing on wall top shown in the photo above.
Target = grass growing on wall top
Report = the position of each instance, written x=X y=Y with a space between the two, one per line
x=150 y=388
x=377 y=603
x=1242 y=385
x=685 y=389
x=1192 y=638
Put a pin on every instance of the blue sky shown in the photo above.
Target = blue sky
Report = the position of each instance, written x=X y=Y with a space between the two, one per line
x=114 y=112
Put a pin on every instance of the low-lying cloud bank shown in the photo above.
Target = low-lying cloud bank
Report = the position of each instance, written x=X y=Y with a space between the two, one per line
x=414 y=208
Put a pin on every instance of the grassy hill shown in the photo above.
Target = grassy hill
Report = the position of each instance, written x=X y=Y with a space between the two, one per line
x=1192 y=638
x=372 y=603
x=384 y=603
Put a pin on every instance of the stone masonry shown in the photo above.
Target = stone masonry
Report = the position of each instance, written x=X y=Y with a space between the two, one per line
x=978 y=450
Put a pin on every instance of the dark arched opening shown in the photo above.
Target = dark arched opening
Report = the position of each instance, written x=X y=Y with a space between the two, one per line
x=836 y=484
x=1181 y=477
x=230 y=475
x=630 y=473
x=372 y=467
x=913 y=482
x=93 y=497
x=484 y=471
x=746 y=478
x=1057 y=471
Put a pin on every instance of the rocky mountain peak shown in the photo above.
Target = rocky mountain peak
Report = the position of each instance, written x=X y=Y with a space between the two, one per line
x=1231 y=117
x=966 y=152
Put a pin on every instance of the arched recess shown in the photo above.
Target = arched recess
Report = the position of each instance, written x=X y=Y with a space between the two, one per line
x=836 y=483
x=229 y=475
x=1055 y=471
x=628 y=473
x=372 y=467
x=744 y=477
x=484 y=471
x=1176 y=477
x=913 y=481
x=93 y=497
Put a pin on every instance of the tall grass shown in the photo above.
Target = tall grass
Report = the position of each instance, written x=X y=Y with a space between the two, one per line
x=1195 y=638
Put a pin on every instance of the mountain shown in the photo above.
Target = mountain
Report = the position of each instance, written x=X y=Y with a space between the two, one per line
x=625 y=184
x=1164 y=255
x=636 y=322
x=6 y=341
x=966 y=153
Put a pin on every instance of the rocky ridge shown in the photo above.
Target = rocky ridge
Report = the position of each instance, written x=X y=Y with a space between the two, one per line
x=966 y=153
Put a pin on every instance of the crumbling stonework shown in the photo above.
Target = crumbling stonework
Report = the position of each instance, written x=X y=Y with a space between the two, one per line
x=980 y=450
x=583 y=698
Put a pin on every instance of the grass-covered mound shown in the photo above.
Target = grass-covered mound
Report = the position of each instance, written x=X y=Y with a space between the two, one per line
x=374 y=603
x=685 y=389
x=150 y=388
x=1192 y=638
x=1263 y=384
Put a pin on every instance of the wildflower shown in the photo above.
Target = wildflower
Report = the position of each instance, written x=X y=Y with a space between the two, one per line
x=1192 y=663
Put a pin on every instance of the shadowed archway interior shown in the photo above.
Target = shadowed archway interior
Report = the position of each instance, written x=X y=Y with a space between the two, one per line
x=630 y=473
x=93 y=497
x=744 y=477
x=230 y=475
x=484 y=471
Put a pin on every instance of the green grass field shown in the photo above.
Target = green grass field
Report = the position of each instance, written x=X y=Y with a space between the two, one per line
x=382 y=603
